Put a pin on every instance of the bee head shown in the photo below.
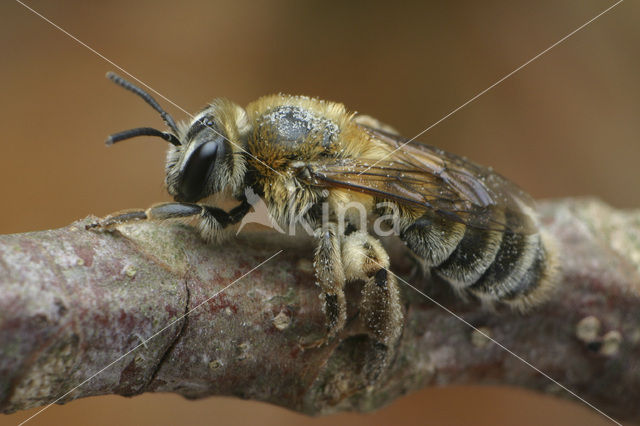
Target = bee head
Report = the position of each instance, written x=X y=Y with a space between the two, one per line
x=206 y=156
x=210 y=160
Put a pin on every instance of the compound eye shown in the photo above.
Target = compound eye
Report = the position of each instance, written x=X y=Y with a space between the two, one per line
x=196 y=171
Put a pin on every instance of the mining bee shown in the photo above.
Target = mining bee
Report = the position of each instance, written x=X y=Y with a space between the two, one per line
x=464 y=222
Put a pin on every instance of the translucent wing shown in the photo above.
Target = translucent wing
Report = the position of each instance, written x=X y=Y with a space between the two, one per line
x=426 y=177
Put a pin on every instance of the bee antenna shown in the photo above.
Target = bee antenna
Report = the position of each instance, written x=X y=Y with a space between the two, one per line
x=142 y=131
x=147 y=98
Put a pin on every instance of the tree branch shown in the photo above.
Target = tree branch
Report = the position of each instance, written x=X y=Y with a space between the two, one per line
x=74 y=301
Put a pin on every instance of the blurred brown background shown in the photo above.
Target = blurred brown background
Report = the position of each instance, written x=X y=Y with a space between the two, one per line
x=564 y=125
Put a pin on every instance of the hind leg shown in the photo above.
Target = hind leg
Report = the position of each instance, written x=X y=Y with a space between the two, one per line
x=365 y=259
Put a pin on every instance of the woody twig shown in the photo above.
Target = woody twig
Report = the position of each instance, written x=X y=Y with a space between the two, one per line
x=73 y=301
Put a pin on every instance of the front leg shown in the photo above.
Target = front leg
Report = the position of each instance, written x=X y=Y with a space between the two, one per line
x=212 y=219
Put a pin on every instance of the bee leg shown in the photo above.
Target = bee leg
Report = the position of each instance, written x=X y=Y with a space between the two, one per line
x=365 y=259
x=212 y=219
x=330 y=278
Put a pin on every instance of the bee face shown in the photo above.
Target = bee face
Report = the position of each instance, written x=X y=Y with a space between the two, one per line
x=208 y=160
x=192 y=167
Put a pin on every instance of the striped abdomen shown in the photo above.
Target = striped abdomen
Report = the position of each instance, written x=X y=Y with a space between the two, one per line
x=517 y=269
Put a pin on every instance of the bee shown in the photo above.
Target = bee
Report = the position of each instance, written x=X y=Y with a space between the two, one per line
x=309 y=159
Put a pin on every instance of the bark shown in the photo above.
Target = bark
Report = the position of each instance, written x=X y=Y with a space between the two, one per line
x=74 y=301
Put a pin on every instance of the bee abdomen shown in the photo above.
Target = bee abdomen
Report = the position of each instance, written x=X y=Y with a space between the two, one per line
x=433 y=238
x=496 y=266
x=537 y=282
x=521 y=274
x=471 y=258
x=516 y=256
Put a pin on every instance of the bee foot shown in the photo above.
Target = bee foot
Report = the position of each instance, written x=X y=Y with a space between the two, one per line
x=92 y=226
x=95 y=226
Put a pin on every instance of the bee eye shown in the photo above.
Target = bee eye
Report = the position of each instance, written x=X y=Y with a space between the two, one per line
x=196 y=171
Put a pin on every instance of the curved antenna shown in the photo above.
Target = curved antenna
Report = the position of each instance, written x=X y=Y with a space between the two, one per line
x=142 y=131
x=146 y=97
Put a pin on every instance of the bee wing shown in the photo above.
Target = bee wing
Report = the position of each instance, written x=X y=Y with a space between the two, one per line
x=426 y=177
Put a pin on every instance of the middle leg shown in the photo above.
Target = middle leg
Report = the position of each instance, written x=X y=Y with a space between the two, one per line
x=330 y=278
